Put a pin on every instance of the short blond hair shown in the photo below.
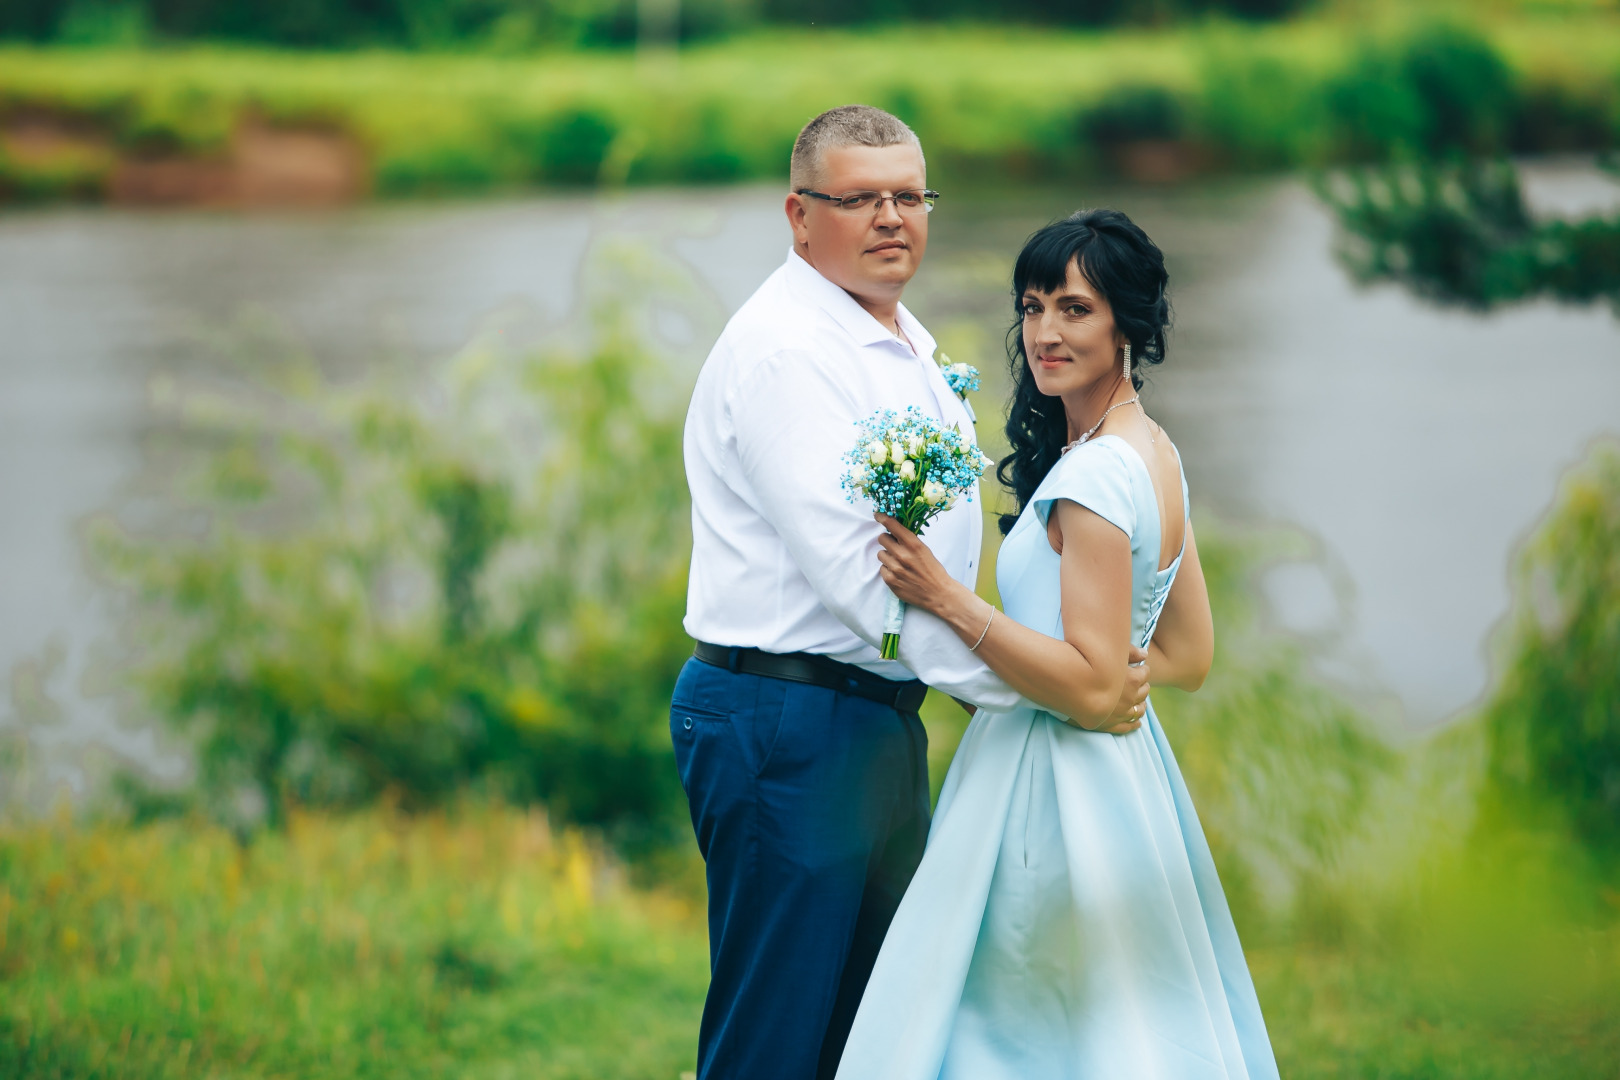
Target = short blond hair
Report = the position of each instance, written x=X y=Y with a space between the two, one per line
x=847 y=125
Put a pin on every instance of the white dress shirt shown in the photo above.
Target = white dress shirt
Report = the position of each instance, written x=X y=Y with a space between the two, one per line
x=781 y=559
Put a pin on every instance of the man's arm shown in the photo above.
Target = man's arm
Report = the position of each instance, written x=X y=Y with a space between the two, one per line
x=793 y=425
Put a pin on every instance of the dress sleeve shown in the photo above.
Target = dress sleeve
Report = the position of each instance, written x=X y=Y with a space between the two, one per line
x=1098 y=478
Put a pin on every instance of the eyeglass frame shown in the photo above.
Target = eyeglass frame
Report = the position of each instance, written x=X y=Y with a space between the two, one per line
x=928 y=197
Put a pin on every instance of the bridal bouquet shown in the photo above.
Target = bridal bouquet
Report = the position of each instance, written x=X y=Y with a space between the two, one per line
x=912 y=468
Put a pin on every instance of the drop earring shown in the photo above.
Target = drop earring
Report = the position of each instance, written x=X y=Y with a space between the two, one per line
x=1127 y=364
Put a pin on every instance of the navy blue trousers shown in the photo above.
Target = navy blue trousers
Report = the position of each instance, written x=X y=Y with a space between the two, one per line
x=811 y=810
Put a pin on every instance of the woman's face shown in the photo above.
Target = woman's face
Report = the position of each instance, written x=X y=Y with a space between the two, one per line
x=1070 y=340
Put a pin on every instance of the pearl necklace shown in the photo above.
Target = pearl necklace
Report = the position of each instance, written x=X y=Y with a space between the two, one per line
x=1137 y=401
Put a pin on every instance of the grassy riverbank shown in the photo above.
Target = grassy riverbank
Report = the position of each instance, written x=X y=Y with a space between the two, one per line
x=481 y=943
x=994 y=102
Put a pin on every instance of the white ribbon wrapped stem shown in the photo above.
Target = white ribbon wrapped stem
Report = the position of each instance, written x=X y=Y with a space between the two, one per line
x=894 y=614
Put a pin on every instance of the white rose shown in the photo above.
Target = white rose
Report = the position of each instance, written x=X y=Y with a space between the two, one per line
x=897 y=451
x=916 y=445
x=933 y=492
x=877 y=451
x=908 y=470
x=858 y=475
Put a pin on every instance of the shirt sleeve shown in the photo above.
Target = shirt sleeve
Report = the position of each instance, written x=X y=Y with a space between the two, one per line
x=793 y=423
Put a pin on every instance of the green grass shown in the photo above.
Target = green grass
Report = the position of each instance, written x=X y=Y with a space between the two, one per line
x=481 y=943
x=994 y=102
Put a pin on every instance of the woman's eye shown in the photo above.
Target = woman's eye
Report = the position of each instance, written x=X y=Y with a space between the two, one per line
x=1076 y=310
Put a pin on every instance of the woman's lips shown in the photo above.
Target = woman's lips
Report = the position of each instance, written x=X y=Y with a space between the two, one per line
x=1053 y=361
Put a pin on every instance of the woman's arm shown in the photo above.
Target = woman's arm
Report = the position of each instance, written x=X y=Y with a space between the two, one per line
x=1081 y=676
x=1183 y=646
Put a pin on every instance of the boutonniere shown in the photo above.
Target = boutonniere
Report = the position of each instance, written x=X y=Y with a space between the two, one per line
x=963 y=379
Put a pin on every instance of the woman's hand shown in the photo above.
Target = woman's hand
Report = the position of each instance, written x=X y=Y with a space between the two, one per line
x=910 y=569
x=1132 y=707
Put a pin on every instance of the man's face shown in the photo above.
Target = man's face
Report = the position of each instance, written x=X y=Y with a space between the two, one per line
x=870 y=253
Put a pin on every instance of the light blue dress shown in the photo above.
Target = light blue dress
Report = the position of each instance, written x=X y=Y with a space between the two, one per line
x=1067 y=920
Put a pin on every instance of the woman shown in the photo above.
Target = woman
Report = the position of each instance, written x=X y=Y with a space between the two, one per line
x=1067 y=920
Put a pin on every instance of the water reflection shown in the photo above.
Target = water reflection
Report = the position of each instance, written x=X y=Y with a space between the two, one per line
x=1408 y=447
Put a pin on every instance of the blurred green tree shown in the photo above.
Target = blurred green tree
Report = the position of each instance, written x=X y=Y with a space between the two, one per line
x=1554 y=723
x=416 y=594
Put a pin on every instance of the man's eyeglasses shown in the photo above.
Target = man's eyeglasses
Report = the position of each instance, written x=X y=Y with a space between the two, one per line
x=915 y=201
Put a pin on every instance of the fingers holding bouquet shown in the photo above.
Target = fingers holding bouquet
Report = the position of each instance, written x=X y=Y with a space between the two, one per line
x=908 y=567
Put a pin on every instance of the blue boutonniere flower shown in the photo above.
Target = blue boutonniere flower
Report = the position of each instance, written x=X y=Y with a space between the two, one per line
x=963 y=379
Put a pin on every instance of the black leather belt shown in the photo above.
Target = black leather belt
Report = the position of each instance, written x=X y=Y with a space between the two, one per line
x=906 y=697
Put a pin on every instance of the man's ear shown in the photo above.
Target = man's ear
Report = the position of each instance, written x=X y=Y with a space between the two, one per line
x=796 y=209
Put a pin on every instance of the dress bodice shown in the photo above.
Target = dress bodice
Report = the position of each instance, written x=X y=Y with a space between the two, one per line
x=1108 y=477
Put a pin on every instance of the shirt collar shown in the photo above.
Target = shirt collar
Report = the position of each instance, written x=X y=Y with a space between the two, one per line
x=921 y=340
x=857 y=322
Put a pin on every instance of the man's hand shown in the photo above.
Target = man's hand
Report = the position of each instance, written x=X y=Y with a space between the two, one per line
x=1132 y=707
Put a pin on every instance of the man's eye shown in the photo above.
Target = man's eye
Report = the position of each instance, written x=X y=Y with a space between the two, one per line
x=857 y=201
x=909 y=198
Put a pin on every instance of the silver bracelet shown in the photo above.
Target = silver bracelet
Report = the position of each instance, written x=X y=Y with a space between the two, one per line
x=975 y=646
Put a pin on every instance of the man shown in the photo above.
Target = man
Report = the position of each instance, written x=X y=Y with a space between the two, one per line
x=801 y=751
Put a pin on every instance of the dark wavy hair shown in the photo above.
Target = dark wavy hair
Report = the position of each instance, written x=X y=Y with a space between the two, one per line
x=1127 y=268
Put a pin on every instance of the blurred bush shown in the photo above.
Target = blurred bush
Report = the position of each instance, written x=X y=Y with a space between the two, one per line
x=1444 y=88
x=1283 y=767
x=395 y=592
x=497 y=25
x=1554 y=722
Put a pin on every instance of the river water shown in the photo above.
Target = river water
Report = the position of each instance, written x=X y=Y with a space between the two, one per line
x=1400 y=451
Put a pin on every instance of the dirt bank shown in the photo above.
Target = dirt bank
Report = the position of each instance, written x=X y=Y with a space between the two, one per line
x=261 y=165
